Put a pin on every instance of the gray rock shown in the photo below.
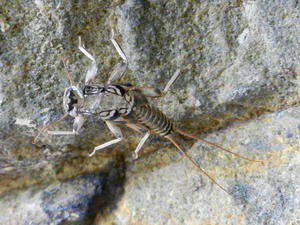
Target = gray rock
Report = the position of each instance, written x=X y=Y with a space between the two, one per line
x=178 y=193
x=67 y=201
x=236 y=63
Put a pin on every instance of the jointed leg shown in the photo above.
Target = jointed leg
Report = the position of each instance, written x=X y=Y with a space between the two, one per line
x=116 y=131
x=92 y=71
x=171 y=81
x=154 y=92
x=77 y=124
x=47 y=127
x=140 y=145
x=117 y=46
x=121 y=67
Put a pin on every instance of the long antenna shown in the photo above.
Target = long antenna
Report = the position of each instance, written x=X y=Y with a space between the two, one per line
x=65 y=115
x=194 y=163
x=214 y=145
x=66 y=68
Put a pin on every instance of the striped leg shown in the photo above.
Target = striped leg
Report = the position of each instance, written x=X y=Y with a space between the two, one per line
x=121 y=67
x=140 y=145
x=154 y=92
x=116 y=131
x=92 y=71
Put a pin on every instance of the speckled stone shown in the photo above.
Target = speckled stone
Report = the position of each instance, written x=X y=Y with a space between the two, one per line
x=267 y=193
x=238 y=60
x=67 y=201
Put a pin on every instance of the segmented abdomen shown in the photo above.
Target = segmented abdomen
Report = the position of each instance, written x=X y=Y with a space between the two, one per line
x=153 y=119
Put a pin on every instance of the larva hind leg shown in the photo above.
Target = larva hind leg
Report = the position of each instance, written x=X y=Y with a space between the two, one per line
x=155 y=92
x=140 y=145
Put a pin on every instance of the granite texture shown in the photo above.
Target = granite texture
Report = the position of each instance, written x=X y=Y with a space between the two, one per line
x=238 y=87
x=60 y=202
x=176 y=193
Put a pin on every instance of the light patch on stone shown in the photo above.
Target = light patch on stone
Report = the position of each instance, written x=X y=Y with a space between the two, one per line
x=24 y=122
x=2 y=97
x=243 y=37
x=3 y=25
x=39 y=4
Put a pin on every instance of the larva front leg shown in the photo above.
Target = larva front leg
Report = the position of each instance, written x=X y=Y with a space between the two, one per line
x=92 y=71
x=77 y=124
x=121 y=67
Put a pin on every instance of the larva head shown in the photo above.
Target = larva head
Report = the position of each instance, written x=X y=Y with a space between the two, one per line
x=73 y=99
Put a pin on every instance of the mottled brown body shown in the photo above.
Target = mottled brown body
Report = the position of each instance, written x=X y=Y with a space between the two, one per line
x=153 y=119
x=144 y=115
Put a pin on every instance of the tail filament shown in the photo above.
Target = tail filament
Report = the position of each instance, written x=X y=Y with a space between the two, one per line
x=170 y=138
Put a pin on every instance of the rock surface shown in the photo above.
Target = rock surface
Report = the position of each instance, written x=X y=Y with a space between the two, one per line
x=59 y=202
x=176 y=193
x=238 y=60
